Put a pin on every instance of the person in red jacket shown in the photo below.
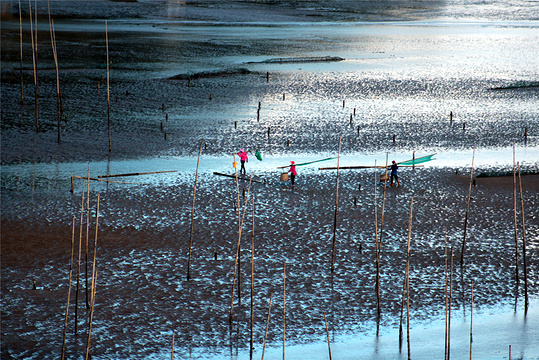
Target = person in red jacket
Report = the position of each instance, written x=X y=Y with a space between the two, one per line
x=292 y=172
x=243 y=159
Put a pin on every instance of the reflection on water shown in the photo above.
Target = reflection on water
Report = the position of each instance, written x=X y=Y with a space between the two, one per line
x=418 y=78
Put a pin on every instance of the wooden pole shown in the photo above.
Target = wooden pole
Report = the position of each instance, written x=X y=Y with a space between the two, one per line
x=446 y=293
x=526 y=303
x=69 y=287
x=408 y=278
x=55 y=56
x=87 y=235
x=138 y=173
x=336 y=209
x=450 y=302
x=94 y=283
x=22 y=82
x=515 y=219
x=58 y=92
x=284 y=306
x=467 y=211
x=379 y=245
x=327 y=334
x=240 y=226
x=172 y=354
x=79 y=261
x=108 y=86
x=471 y=322
x=34 y=62
x=193 y=215
x=252 y=277
x=267 y=325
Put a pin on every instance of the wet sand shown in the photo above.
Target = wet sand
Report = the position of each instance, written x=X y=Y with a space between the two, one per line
x=142 y=292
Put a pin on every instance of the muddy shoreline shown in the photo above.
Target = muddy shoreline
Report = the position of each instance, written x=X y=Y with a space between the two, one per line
x=142 y=259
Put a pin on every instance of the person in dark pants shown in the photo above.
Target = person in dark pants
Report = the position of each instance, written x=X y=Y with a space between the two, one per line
x=243 y=159
x=394 y=175
x=292 y=172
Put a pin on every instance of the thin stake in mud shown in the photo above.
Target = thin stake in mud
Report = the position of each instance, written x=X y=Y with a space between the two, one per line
x=108 y=86
x=408 y=280
x=69 y=287
x=405 y=287
x=515 y=221
x=267 y=325
x=94 y=283
x=284 y=306
x=55 y=56
x=379 y=247
x=193 y=216
x=376 y=287
x=327 y=335
x=87 y=234
x=526 y=303
x=240 y=226
x=22 y=82
x=450 y=302
x=445 y=290
x=252 y=278
x=471 y=322
x=80 y=255
x=34 y=61
x=336 y=209
x=172 y=353
x=467 y=212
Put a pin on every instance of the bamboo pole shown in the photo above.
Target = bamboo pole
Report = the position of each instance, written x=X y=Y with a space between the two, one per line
x=284 y=307
x=336 y=209
x=524 y=260
x=53 y=44
x=137 y=173
x=408 y=278
x=252 y=277
x=22 y=82
x=94 y=283
x=87 y=235
x=267 y=325
x=240 y=226
x=445 y=292
x=450 y=302
x=172 y=353
x=193 y=215
x=467 y=211
x=79 y=261
x=69 y=287
x=471 y=322
x=327 y=334
x=515 y=220
x=376 y=286
x=107 y=181
x=34 y=62
x=379 y=247
x=108 y=86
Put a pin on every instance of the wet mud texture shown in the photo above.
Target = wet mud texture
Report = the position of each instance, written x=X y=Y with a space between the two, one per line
x=142 y=253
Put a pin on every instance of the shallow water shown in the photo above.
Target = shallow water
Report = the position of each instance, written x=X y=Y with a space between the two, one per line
x=405 y=70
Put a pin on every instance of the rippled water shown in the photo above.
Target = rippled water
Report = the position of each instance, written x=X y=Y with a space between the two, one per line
x=406 y=67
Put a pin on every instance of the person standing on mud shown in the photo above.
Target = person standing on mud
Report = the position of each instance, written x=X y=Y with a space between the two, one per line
x=292 y=172
x=243 y=159
x=394 y=168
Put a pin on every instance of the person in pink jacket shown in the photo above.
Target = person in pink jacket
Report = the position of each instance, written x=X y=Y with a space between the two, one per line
x=292 y=172
x=243 y=159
